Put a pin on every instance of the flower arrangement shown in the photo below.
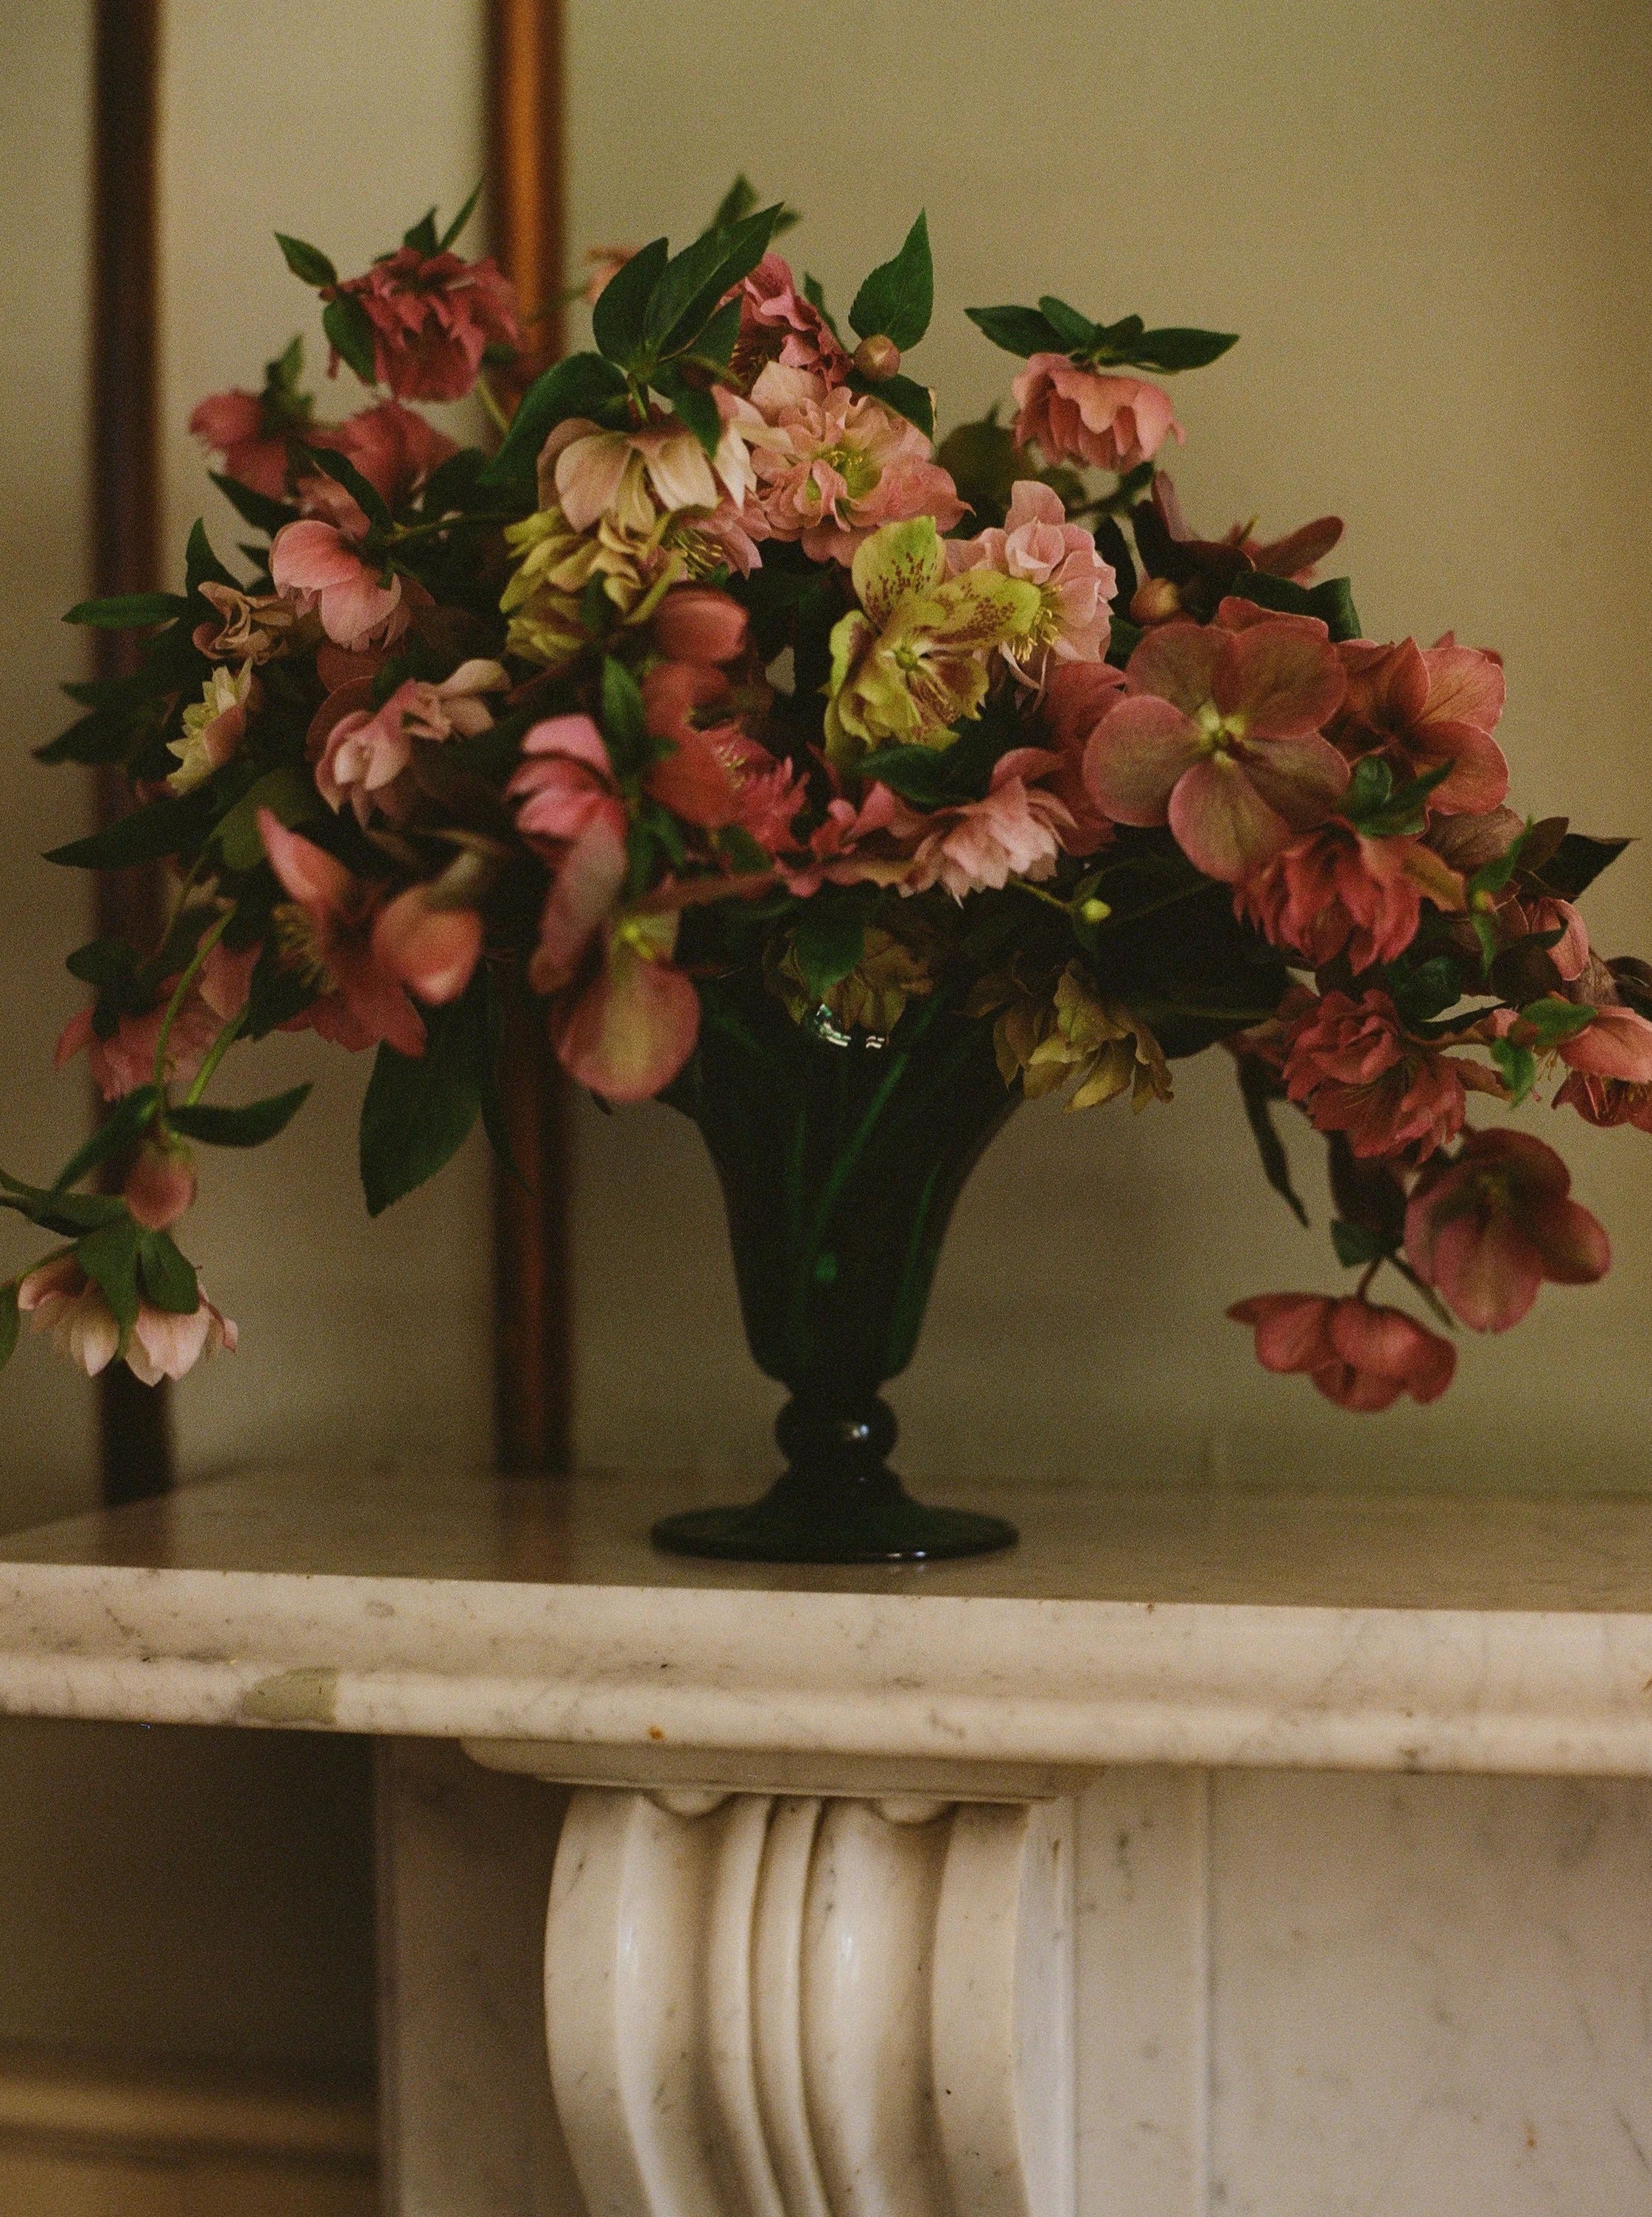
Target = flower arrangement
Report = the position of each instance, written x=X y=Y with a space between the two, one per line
x=709 y=693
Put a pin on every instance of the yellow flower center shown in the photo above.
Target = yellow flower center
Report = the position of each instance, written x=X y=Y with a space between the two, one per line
x=1218 y=732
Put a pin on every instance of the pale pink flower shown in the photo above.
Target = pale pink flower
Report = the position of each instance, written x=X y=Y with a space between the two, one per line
x=1430 y=708
x=1337 y=892
x=233 y=424
x=363 y=752
x=1615 y=1043
x=1350 y=1065
x=394 y=450
x=778 y=324
x=589 y=473
x=328 y=934
x=163 y=1345
x=60 y=1298
x=213 y=727
x=1075 y=586
x=841 y=464
x=1359 y=1354
x=1015 y=831
x=566 y=787
x=1220 y=738
x=1486 y=1229
x=315 y=563
x=1074 y=414
x=433 y=317
x=1076 y=696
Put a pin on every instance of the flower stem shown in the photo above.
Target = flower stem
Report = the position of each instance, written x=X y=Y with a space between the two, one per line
x=497 y=414
x=216 y=1054
x=209 y=941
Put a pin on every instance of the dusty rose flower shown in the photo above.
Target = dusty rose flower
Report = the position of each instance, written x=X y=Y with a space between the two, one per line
x=126 y=1061
x=233 y=424
x=1220 y=738
x=1335 y=893
x=360 y=752
x=1487 y=1228
x=315 y=563
x=327 y=934
x=592 y=474
x=1086 y=415
x=856 y=844
x=839 y=465
x=1606 y=1101
x=778 y=324
x=1076 y=696
x=696 y=623
x=1350 y=1065
x=431 y=945
x=60 y=1298
x=1429 y=708
x=717 y=775
x=160 y=1187
x=433 y=319
x=1615 y=1044
x=1359 y=1354
x=1016 y=831
x=628 y=1032
x=1075 y=586
x=394 y=450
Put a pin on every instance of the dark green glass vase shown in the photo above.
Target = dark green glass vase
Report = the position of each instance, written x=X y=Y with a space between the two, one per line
x=840 y=1157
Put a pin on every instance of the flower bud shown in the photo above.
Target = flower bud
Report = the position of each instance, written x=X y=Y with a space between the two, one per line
x=877 y=357
x=1155 y=601
x=160 y=1185
x=1094 y=910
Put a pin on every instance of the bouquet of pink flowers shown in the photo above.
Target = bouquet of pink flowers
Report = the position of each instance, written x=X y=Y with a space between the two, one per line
x=711 y=683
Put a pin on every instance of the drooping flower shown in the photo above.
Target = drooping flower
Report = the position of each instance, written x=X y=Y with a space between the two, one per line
x=779 y=323
x=360 y=752
x=1075 y=1032
x=125 y=1061
x=252 y=626
x=326 y=933
x=315 y=563
x=913 y=659
x=394 y=450
x=213 y=728
x=629 y=1032
x=1017 y=830
x=1075 y=415
x=697 y=623
x=591 y=473
x=236 y=426
x=1428 y=708
x=1615 y=1043
x=1335 y=891
x=717 y=775
x=1351 y=1066
x=58 y=1298
x=838 y=465
x=1487 y=1228
x=1075 y=586
x=1359 y=1354
x=433 y=317
x=166 y=1346
x=1220 y=738
x=1606 y=1101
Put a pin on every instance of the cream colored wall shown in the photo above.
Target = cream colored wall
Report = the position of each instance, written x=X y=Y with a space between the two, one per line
x=1430 y=223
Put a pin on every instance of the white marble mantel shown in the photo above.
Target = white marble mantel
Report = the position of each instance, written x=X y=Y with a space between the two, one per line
x=1376 y=1996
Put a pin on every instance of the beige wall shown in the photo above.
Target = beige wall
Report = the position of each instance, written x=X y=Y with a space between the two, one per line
x=1430 y=225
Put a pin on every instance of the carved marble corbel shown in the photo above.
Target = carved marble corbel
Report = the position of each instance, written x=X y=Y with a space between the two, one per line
x=765 y=2005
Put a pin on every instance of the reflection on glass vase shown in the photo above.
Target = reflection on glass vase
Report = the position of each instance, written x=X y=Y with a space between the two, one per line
x=840 y=1158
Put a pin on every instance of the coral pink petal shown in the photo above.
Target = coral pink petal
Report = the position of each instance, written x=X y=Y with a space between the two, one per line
x=1465 y=686
x=586 y=888
x=1479 y=778
x=1293 y=1334
x=1221 y=822
x=434 y=951
x=1572 y=1244
x=308 y=874
x=1286 y=680
x=576 y=737
x=1618 y=1044
x=1179 y=663
x=1301 y=778
x=694 y=782
x=1488 y=1273
x=632 y=1030
x=309 y=556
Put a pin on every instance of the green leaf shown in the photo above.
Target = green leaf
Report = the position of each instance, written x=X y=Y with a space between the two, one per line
x=691 y=405
x=66 y=1214
x=104 y=736
x=148 y=834
x=1331 y=601
x=422 y=236
x=256 y=509
x=899 y=298
x=108 y=1255
x=1370 y=788
x=366 y=497
x=1578 y=862
x=1357 y=1243
x=906 y=397
x=308 y=263
x=694 y=281
x=127 y=1122
x=915 y=773
x=10 y=1323
x=583 y=385
x=737 y=203
x=1175 y=348
x=1017 y=331
x=829 y=938
x=1259 y=1089
x=814 y=292
x=201 y=566
x=715 y=345
x=1424 y=991
x=128 y=611
x=1553 y=1019
x=620 y=315
x=249 y=1126
x=349 y=330
x=288 y=792
x=1491 y=877
x=460 y=220
x=419 y=1111
x=625 y=725
x=1518 y=1066
x=168 y=1276
x=1073 y=332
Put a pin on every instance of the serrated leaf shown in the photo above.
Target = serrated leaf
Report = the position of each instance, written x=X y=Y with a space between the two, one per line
x=418 y=1112
x=128 y=611
x=1074 y=332
x=580 y=385
x=620 y=315
x=108 y=1255
x=167 y=1275
x=308 y=263
x=1017 y=331
x=349 y=332
x=247 y=1127
x=694 y=281
x=460 y=220
x=898 y=299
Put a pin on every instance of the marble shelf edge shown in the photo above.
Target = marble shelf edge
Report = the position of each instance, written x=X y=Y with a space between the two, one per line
x=1034 y=1691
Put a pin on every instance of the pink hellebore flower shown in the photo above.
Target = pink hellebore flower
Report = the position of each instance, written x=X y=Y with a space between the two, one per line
x=232 y=424
x=329 y=932
x=1220 y=738
x=778 y=324
x=590 y=473
x=1615 y=1044
x=1433 y=707
x=629 y=1032
x=163 y=1345
x=363 y=751
x=1487 y=1229
x=316 y=562
x=1076 y=696
x=1015 y=831
x=58 y=1298
x=394 y=450
x=122 y=1064
x=433 y=317
x=1086 y=415
x=839 y=466
x=1360 y=1356
x=1351 y=1066
x=1075 y=585
x=1336 y=891
x=717 y=776
x=433 y=948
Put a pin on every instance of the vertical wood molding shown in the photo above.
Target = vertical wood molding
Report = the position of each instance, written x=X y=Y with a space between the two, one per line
x=533 y=1353
x=134 y=1426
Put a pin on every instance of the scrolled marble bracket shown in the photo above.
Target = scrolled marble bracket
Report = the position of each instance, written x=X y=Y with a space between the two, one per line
x=768 y=2005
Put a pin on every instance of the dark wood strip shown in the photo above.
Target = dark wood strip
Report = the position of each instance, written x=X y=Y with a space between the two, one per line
x=533 y=1338
x=134 y=1420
